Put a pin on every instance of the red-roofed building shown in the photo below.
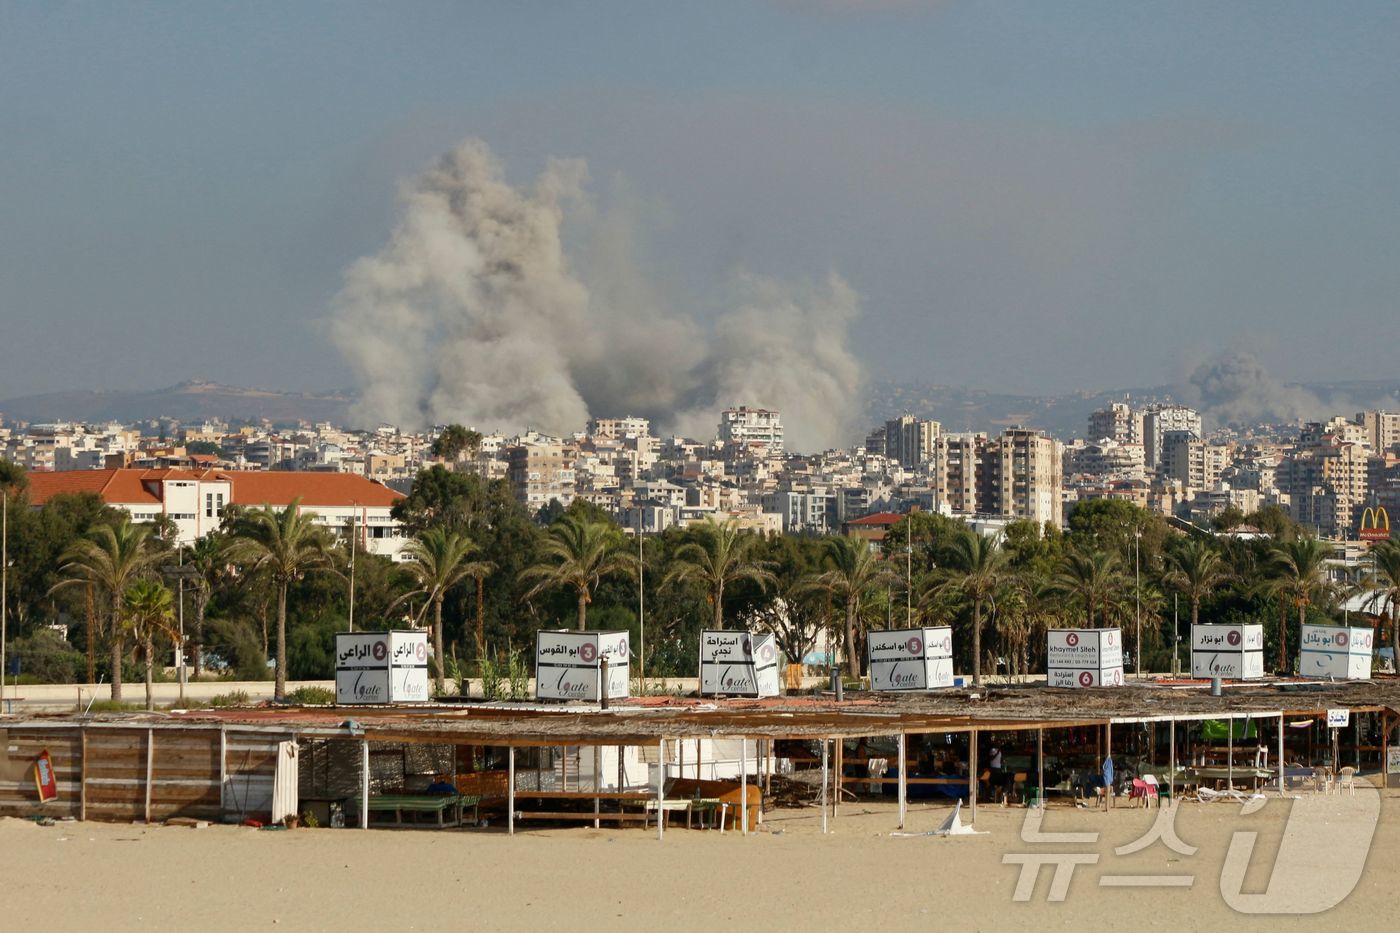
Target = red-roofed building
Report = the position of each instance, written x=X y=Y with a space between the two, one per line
x=195 y=499
x=873 y=527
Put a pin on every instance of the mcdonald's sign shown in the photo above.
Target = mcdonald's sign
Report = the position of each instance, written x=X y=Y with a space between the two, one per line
x=1375 y=524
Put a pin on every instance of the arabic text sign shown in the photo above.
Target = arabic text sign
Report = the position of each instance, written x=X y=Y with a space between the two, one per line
x=1338 y=718
x=738 y=664
x=1336 y=652
x=568 y=665
x=911 y=659
x=381 y=667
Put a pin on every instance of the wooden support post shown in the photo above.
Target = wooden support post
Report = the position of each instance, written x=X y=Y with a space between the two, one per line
x=364 y=783
x=824 y=783
x=223 y=768
x=744 y=786
x=697 y=758
x=1385 y=750
x=1356 y=741
x=82 y=774
x=1040 y=767
x=1282 y=772
x=973 y=776
x=1230 y=752
x=510 y=790
x=597 y=780
x=660 y=788
x=1171 y=763
x=839 y=779
x=1108 y=754
x=903 y=775
x=150 y=767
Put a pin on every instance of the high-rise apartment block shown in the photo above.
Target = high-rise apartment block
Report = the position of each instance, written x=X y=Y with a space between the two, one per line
x=1161 y=420
x=1023 y=476
x=1118 y=423
x=910 y=441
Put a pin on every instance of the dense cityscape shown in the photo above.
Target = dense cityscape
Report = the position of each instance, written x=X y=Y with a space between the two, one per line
x=1137 y=492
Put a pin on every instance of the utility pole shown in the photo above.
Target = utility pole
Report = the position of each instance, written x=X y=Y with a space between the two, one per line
x=354 y=533
x=180 y=673
x=909 y=583
x=641 y=607
x=4 y=576
x=1137 y=573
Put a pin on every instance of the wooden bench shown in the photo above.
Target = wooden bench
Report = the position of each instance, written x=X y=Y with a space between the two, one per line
x=441 y=805
x=614 y=816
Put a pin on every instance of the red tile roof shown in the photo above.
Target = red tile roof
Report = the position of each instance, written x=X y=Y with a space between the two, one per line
x=116 y=487
x=280 y=487
x=255 y=488
x=879 y=518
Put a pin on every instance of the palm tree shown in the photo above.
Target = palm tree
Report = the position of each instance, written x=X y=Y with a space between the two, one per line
x=209 y=559
x=717 y=559
x=1091 y=575
x=479 y=570
x=854 y=572
x=1195 y=571
x=579 y=553
x=147 y=612
x=1297 y=570
x=975 y=567
x=111 y=559
x=437 y=559
x=1386 y=583
x=285 y=545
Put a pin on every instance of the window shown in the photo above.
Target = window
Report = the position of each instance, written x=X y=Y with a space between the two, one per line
x=208 y=505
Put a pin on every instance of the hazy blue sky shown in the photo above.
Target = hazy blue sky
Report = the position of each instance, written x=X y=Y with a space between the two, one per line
x=1032 y=195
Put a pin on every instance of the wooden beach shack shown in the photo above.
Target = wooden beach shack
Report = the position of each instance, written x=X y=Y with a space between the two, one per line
x=512 y=762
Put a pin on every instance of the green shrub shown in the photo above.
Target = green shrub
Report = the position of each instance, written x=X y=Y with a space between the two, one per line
x=232 y=698
x=312 y=696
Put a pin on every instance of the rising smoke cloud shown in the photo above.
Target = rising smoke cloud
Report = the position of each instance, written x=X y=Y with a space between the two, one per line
x=473 y=313
x=1235 y=389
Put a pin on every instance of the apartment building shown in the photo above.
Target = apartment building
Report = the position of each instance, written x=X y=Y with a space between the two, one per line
x=910 y=441
x=541 y=471
x=1023 y=478
x=745 y=426
x=1159 y=421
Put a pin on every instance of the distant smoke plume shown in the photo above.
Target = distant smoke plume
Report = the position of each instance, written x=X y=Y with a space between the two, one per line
x=472 y=313
x=1235 y=389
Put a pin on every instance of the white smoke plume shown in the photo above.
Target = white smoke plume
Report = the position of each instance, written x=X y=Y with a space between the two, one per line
x=472 y=313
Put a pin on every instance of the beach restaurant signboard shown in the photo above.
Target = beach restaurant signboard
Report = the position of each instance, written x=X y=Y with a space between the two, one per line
x=1335 y=652
x=738 y=664
x=569 y=665
x=381 y=667
x=911 y=659
x=1230 y=652
x=1084 y=657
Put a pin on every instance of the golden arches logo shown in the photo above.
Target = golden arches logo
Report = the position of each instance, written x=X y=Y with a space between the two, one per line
x=1375 y=524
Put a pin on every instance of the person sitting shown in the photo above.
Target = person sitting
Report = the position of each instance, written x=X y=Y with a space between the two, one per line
x=441 y=785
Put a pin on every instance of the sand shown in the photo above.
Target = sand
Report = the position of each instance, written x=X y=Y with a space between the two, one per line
x=785 y=877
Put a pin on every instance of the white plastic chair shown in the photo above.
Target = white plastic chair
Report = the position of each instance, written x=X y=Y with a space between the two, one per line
x=1346 y=777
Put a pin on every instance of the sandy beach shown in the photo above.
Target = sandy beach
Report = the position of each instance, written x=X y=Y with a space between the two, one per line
x=786 y=876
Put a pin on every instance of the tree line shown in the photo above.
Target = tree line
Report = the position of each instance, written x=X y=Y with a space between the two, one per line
x=271 y=589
